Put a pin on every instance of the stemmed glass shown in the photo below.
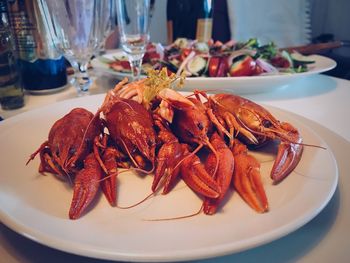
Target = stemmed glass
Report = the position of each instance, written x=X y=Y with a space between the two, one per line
x=77 y=30
x=133 y=23
x=108 y=23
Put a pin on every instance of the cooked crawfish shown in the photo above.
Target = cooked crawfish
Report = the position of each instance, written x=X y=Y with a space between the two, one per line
x=65 y=149
x=68 y=153
x=174 y=159
x=191 y=125
x=130 y=126
x=190 y=122
x=255 y=125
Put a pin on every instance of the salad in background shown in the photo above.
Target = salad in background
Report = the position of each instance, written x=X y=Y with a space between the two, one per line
x=216 y=59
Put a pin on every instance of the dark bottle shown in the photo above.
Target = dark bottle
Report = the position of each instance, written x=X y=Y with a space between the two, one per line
x=11 y=91
x=221 y=22
x=191 y=19
x=42 y=68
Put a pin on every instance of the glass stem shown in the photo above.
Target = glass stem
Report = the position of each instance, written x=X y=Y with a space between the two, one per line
x=83 y=80
x=136 y=66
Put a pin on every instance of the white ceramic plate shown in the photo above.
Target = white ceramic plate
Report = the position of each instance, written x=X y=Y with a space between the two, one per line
x=36 y=206
x=238 y=85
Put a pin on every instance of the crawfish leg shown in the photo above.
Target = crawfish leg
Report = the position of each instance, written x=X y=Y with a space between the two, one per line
x=167 y=168
x=109 y=182
x=111 y=159
x=223 y=174
x=86 y=185
x=47 y=164
x=168 y=158
x=247 y=178
x=288 y=155
x=40 y=149
x=218 y=122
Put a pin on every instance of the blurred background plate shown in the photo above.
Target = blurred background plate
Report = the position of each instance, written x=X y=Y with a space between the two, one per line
x=238 y=85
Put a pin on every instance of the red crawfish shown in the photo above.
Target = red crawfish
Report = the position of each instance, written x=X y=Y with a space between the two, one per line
x=70 y=140
x=174 y=159
x=68 y=153
x=131 y=127
x=255 y=125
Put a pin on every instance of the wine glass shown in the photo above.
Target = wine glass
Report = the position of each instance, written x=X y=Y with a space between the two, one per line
x=133 y=23
x=108 y=23
x=77 y=30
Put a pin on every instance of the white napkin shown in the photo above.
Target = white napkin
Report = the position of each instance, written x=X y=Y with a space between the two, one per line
x=285 y=22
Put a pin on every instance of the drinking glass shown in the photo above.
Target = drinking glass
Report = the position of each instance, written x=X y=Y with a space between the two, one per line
x=77 y=30
x=133 y=23
x=108 y=23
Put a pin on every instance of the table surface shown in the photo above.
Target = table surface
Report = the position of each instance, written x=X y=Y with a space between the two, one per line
x=323 y=102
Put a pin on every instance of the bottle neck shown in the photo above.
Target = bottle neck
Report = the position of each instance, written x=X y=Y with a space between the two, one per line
x=207 y=9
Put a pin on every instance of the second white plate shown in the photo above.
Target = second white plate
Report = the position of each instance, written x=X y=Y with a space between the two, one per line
x=238 y=85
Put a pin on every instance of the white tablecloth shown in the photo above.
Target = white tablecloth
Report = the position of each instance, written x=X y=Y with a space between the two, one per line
x=324 y=102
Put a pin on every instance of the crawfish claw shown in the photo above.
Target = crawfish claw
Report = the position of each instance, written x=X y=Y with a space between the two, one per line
x=196 y=177
x=86 y=186
x=224 y=172
x=247 y=179
x=288 y=155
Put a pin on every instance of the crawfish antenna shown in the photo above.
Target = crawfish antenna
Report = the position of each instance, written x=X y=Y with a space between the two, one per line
x=138 y=203
x=189 y=155
x=176 y=218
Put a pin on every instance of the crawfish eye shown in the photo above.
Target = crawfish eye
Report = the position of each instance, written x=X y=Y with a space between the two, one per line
x=72 y=151
x=150 y=143
x=200 y=126
x=266 y=123
x=189 y=134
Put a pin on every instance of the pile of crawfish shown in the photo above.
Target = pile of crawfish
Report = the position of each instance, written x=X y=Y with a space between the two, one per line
x=149 y=127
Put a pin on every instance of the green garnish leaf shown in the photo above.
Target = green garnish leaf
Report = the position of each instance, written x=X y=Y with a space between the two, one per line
x=158 y=80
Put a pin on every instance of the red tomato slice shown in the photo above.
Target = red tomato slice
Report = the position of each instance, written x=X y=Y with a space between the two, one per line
x=150 y=56
x=213 y=66
x=184 y=53
x=245 y=67
x=223 y=68
x=280 y=62
x=125 y=64
x=120 y=65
